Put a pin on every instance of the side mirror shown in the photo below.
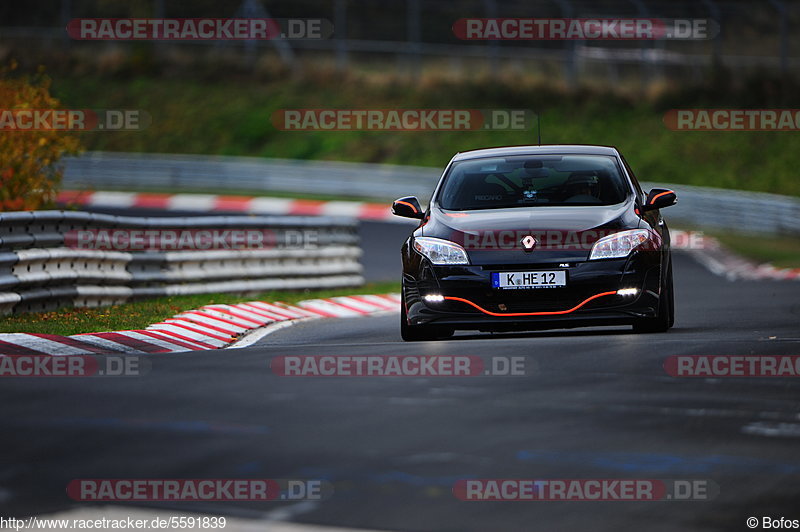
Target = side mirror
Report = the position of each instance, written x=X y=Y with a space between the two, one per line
x=407 y=207
x=658 y=198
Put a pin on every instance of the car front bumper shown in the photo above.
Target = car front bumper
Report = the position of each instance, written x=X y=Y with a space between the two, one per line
x=589 y=297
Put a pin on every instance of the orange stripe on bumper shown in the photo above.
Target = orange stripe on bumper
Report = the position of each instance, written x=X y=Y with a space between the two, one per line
x=552 y=313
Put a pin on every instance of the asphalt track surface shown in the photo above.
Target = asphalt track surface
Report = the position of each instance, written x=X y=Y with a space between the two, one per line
x=594 y=403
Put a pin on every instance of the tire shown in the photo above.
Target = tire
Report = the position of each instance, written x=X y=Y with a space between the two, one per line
x=420 y=333
x=666 y=310
x=671 y=296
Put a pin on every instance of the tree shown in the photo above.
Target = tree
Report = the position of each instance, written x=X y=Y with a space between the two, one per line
x=30 y=171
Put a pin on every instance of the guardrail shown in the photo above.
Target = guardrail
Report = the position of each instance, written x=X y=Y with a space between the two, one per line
x=42 y=268
x=735 y=210
x=108 y=170
x=703 y=206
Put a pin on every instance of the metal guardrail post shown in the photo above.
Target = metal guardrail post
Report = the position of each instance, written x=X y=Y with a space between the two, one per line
x=647 y=62
x=716 y=15
x=780 y=6
x=66 y=15
x=340 y=33
x=254 y=9
x=490 y=6
x=570 y=64
x=414 y=36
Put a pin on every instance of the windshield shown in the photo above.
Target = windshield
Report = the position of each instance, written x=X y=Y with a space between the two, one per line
x=533 y=181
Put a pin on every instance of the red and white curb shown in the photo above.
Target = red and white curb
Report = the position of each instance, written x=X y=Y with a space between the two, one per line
x=239 y=204
x=720 y=261
x=209 y=327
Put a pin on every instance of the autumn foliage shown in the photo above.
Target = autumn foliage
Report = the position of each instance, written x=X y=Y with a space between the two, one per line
x=29 y=160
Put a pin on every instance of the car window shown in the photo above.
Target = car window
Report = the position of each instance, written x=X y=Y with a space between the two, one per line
x=532 y=181
x=635 y=181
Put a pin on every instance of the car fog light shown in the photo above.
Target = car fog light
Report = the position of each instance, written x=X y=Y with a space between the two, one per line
x=625 y=292
x=434 y=298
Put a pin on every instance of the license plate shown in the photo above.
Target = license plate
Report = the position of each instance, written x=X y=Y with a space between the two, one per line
x=548 y=279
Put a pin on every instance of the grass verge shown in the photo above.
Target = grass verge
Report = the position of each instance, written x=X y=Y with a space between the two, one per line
x=140 y=314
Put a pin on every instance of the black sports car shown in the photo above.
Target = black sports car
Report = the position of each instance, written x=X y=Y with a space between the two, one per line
x=533 y=237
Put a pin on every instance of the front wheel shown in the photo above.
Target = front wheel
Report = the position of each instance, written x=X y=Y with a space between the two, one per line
x=666 y=310
x=420 y=333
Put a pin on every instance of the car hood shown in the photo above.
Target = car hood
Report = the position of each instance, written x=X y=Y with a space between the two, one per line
x=563 y=234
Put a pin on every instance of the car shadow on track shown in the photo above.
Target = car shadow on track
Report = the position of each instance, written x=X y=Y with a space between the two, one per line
x=561 y=333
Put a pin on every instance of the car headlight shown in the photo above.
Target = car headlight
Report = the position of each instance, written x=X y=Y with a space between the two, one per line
x=440 y=252
x=620 y=244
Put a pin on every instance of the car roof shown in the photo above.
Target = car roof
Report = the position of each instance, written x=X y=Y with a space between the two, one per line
x=554 y=149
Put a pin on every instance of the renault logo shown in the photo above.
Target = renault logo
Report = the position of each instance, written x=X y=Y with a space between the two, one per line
x=528 y=243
